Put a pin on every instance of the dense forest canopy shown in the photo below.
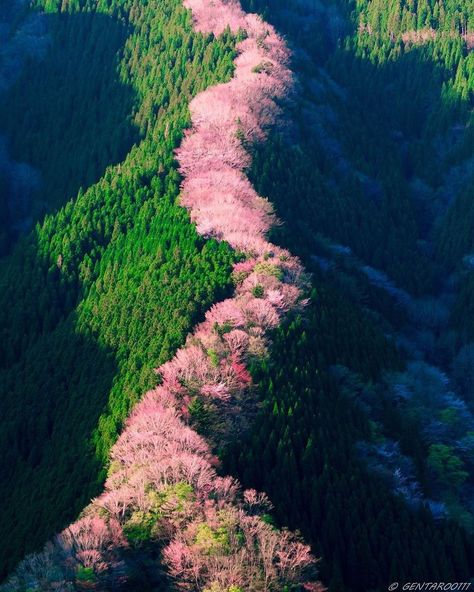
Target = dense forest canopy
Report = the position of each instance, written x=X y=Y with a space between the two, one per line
x=364 y=441
x=372 y=183
x=106 y=286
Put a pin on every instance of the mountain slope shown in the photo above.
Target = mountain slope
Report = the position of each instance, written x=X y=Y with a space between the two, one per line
x=161 y=484
x=367 y=420
x=83 y=319
x=362 y=181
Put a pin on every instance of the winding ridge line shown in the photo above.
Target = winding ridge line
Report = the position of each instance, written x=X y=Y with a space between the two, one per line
x=163 y=483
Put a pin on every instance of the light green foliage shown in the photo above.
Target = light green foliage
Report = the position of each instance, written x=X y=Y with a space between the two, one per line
x=397 y=16
x=107 y=286
x=448 y=467
x=85 y=575
x=212 y=541
x=143 y=526
x=214 y=358
x=218 y=588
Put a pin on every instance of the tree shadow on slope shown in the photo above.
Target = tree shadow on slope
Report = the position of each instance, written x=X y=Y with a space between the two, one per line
x=375 y=125
x=358 y=168
x=51 y=401
x=346 y=170
x=117 y=277
x=68 y=115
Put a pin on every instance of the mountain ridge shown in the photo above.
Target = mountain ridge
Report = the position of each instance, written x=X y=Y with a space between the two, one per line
x=157 y=452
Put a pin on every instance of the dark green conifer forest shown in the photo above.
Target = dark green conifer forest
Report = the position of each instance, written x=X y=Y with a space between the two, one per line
x=364 y=438
x=106 y=285
x=369 y=182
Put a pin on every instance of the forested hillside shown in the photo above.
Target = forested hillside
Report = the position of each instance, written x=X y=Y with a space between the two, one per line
x=107 y=286
x=364 y=437
x=23 y=36
x=166 y=518
x=369 y=183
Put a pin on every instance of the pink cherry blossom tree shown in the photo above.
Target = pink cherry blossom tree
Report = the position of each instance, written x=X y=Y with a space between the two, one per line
x=213 y=535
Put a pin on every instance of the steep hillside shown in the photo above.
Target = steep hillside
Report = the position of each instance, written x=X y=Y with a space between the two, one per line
x=107 y=286
x=161 y=484
x=23 y=36
x=354 y=411
x=376 y=165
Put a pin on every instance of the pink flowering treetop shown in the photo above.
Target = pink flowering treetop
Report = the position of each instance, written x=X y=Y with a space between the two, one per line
x=163 y=483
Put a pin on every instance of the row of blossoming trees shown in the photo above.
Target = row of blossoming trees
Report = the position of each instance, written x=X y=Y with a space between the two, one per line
x=163 y=485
